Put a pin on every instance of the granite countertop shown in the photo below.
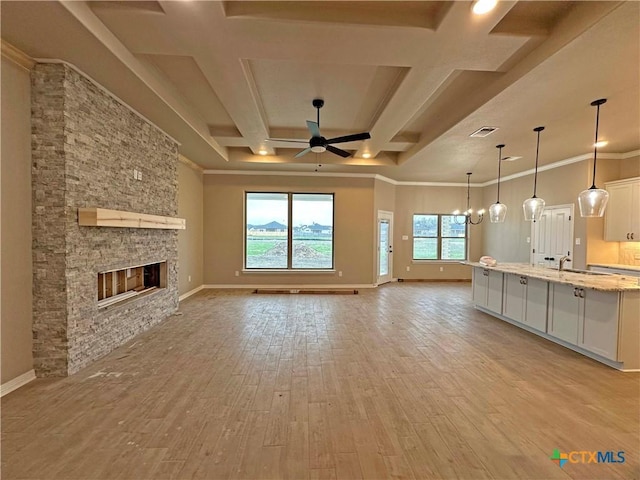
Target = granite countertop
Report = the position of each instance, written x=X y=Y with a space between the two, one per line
x=618 y=266
x=604 y=282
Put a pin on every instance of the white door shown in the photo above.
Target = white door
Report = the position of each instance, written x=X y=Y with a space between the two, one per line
x=552 y=236
x=385 y=247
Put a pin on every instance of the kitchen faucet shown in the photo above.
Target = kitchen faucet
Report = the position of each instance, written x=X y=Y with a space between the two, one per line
x=562 y=262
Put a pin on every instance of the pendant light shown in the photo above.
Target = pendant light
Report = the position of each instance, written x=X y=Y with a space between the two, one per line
x=467 y=213
x=533 y=206
x=498 y=211
x=593 y=201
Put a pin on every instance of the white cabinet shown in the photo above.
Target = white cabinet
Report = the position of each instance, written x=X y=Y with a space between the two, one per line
x=622 y=217
x=536 y=305
x=584 y=317
x=487 y=289
x=599 y=332
x=525 y=300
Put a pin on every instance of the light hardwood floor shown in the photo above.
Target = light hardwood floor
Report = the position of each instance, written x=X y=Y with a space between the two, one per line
x=405 y=381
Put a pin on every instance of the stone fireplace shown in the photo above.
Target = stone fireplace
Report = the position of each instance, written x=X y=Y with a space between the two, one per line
x=90 y=150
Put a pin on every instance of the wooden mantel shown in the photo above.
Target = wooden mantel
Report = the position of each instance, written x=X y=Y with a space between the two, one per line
x=103 y=217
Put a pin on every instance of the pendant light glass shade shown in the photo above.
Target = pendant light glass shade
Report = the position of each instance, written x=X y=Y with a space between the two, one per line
x=534 y=206
x=593 y=201
x=533 y=209
x=498 y=211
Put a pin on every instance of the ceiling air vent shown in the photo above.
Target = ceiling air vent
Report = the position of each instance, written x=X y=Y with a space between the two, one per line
x=484 y=132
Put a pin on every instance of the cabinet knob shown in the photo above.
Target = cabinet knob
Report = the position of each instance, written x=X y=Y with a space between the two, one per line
x=581 y=294
x=627 y=236
x=575 y=292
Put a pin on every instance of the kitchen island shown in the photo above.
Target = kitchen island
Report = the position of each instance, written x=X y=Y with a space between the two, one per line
x=597 y=315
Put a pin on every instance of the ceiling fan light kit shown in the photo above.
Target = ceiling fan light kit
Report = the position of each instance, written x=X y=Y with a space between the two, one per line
x=320 y=144
x=593 y=201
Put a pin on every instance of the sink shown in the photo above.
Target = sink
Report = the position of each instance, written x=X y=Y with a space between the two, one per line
x=585 y=272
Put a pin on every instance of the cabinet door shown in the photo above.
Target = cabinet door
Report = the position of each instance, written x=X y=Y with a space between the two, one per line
x=514 y=297
x=494 y=292
x=634 y=216
x=536 y=304
x=564 y=312
x=618 y=213
x=480 y=282
x=599 y=329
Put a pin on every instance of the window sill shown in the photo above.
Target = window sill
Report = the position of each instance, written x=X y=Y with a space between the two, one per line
x=428 y=262
x=287 y=272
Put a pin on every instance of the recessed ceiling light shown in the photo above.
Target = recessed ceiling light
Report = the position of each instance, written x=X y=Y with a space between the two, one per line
x=484 y=132
x=601 y=143
x=366 y=155
x=262 y=151
x=480 y=7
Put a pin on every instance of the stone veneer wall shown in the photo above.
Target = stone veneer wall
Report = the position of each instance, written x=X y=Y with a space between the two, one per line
x=86 y=145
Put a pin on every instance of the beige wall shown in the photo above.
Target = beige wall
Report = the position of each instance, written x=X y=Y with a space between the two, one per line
x=190 y=241
x=630 y=167
x=418 y=199
x=224 y=228
x=16 y=265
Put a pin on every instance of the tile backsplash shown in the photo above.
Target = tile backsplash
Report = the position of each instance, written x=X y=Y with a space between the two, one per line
x=629 y=253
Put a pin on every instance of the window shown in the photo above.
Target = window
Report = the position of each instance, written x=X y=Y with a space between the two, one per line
x=439 y=237
x=289 y=231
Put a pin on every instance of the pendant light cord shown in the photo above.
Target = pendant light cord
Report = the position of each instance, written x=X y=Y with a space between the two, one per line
x=468 y=191
x=595 y=146
x=535 y=176
x=499 y=165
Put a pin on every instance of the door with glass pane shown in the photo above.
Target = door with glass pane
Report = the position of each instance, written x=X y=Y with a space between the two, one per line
x=385 y=247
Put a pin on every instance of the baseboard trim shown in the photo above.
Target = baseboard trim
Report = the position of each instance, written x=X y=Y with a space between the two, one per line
x=191 y=292
x=435 y=280
x=262 y=286
x=17 y=382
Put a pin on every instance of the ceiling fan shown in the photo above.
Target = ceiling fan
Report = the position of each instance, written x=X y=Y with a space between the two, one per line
x=319 y=144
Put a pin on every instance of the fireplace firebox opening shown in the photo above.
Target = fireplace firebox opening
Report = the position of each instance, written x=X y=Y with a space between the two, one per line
x=115 y=286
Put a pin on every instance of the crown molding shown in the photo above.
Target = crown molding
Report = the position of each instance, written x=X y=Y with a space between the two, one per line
x=193 y=165
x=17 y=56
x=398 y=183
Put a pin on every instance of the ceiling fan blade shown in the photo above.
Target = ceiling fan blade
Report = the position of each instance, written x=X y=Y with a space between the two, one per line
x=338 y=151
x=350 y=138
x=303 y=152
x=288 y=140
x=314 y=128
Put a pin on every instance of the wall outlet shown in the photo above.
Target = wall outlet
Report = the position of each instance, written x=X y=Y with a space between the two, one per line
x=340 y=273
x=577 y=241
x=135 y=174
x=528 y=239
x=189 y=277
x=408 y=268
x=442 y=269
x=139 y=175
x=237 y=273
x=405 y=237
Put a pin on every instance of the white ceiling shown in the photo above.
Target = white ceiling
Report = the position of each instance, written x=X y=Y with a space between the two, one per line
x=222 y=77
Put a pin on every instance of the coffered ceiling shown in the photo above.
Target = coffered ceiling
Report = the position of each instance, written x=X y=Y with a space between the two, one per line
x=223 y=77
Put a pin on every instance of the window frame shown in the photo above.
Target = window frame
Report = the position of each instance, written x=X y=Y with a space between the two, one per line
x=290 y=267
x=438 y=238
